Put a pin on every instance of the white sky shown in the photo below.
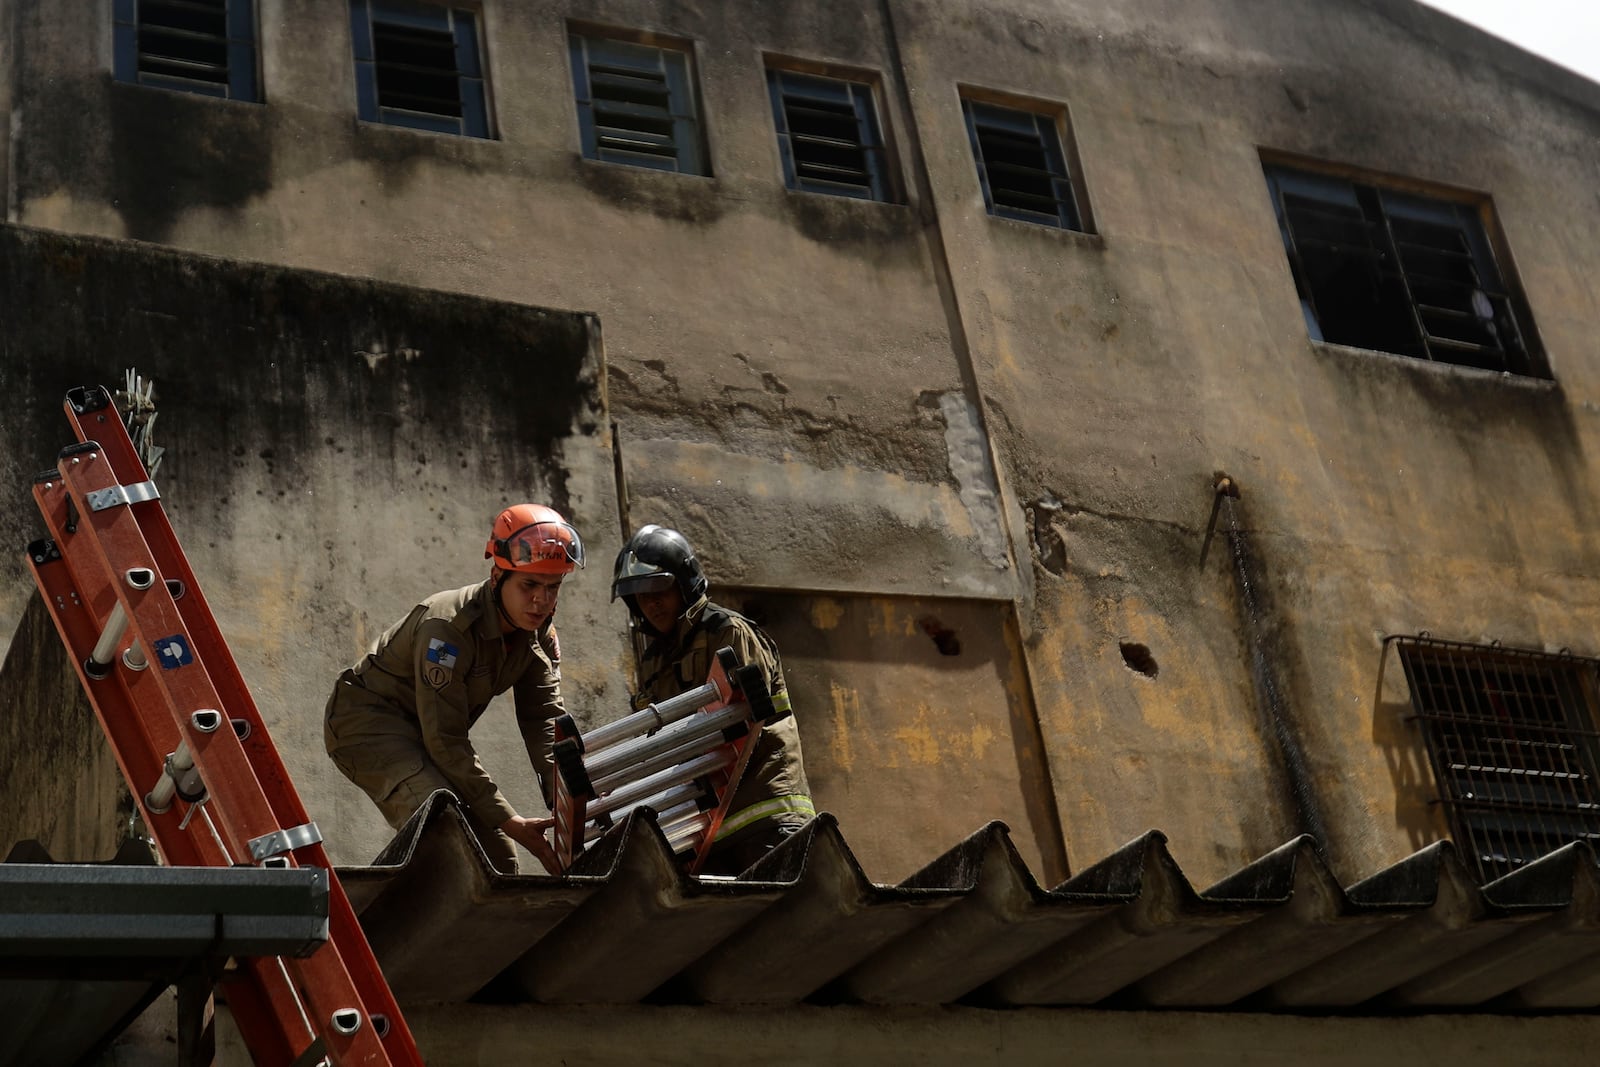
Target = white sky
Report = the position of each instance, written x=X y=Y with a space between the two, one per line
x=1564 y=31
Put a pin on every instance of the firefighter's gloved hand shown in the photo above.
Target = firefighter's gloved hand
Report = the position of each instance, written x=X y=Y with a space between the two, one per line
x=530 y=834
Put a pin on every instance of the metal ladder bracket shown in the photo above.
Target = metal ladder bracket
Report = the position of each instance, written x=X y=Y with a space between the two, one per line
x=115 y=495
x=281 y=841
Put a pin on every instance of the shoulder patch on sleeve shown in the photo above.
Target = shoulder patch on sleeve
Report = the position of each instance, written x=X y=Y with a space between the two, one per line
x=441 y=662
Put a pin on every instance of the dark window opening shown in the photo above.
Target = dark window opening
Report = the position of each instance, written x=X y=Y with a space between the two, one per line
x=1511 y=738
x=419 y=65
x=636 y=105
x=1021 y=165
x=197 y=46
x=1397 y=272
x=828 y=135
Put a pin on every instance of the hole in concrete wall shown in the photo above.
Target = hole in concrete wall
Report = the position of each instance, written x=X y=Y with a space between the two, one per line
x=1138 y=658
x=944 y=638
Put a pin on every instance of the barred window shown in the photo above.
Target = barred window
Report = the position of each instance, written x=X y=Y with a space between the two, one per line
x=636 y=104
x=1511 y=738
x=196 y=46
x=419 y=65
x=1022 y=165
x=1395 y=271
x=829 y=135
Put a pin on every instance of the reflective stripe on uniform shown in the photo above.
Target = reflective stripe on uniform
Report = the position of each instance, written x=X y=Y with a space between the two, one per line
x=766 y=809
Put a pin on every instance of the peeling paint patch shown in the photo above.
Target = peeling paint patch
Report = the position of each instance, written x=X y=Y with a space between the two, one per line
x=926 y=743
x=980 y=739
x=969 y=465
x=826 y=613
x=886 y=624
x=380 y=352
x=917 y=740
x=846 y=705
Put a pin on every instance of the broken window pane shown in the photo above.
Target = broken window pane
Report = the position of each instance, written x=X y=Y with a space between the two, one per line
x=828 y=135
x=1021 y=165
x=197 y=46
x=636 y=104
x=1398 y=272
x=419 y=65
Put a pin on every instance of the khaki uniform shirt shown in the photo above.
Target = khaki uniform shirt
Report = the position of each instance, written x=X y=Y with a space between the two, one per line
x=774 y=783
x=427 y=680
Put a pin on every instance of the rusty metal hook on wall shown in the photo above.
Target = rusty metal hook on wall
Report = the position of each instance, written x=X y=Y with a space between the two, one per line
x=1222 y=486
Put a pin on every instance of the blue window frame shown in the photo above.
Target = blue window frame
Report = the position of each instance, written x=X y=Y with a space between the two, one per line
x=1021 y=165
x=636 y=104
x=195 y=46
x=828 y=135
x=419 y=65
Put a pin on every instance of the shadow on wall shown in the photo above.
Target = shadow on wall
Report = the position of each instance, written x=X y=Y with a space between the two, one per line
x=1396 y=735
x=916 y=724
x=61 y=783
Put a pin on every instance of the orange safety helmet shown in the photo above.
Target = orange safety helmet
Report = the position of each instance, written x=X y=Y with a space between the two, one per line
x=532 y=537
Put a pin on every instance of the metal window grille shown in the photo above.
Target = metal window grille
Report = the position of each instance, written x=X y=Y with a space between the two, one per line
x=635 y=104
x=1511 y=738
x=828 y=135
x=1401 y=273
x=196 y=46
x=1021 y=165
x=419 y=65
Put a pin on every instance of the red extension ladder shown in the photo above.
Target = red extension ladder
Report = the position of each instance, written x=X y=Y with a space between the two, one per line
x=190 y=743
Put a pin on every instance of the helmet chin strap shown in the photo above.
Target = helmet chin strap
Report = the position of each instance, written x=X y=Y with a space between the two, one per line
x=500 y=576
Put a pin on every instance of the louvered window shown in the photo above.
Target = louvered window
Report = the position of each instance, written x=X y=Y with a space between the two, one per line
x=828 y=135
x=419 y=65
x=1021 y=165
x=1397 y=272
x=1511 y=738
x=198 y=46
x=636 y=104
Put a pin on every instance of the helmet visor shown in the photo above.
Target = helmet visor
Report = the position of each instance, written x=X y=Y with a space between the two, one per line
x=542 y=542
x=635 y=576
x=642 y=583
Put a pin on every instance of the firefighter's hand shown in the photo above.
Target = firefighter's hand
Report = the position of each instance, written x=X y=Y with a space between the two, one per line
x=530 y=834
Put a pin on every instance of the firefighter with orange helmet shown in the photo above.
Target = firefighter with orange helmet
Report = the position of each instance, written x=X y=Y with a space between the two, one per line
x=398 y=720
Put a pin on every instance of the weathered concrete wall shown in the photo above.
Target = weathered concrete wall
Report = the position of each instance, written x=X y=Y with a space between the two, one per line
x=783 y=387
x=768 y=344
x=917 y=725
x=336 y=449
x=62 y=785
x=7 y=58
x=1123 y=371
x=790 y=382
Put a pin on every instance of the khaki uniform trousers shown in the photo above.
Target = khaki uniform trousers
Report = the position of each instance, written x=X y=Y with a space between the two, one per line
x=402 y=800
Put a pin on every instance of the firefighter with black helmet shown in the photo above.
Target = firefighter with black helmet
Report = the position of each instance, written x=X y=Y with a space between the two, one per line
x=676 y=632
x=397 y=723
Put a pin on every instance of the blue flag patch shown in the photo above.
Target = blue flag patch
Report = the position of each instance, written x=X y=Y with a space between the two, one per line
x=443 y=653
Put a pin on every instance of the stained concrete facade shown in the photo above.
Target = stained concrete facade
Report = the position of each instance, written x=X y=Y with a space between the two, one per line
x=884 y=422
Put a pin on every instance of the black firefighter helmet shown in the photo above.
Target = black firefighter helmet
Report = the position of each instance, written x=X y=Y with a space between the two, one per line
x=653 y=559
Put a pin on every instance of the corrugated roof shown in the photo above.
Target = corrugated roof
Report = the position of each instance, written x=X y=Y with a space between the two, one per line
x=84 y=948
x=974 y=926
